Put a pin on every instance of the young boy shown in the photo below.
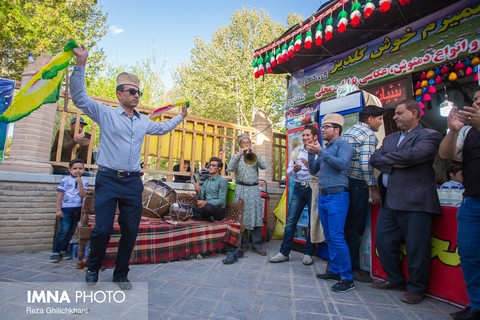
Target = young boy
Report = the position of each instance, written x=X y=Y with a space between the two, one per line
x=71 y=190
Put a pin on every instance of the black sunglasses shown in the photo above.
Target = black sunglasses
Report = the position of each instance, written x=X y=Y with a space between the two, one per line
x=134 y=92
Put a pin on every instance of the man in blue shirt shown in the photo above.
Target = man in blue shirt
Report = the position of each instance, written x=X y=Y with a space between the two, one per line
x=118 y=182
x=333 y=162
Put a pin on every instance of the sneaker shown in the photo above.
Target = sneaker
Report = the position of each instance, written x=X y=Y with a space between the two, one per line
x=55 y=257
x=343 y=285
x=66 y=255
x=307 y=260
x=328 y=276
x=278 y=258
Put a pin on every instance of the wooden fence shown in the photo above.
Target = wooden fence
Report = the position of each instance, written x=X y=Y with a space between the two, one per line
x=196 y=139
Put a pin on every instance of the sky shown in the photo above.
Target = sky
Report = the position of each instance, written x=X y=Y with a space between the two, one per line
x=137 y=29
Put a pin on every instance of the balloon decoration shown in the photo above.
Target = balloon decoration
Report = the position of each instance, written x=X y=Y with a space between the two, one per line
x=428 y=79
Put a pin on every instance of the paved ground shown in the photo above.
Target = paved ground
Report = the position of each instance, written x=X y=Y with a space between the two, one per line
x=252 y=288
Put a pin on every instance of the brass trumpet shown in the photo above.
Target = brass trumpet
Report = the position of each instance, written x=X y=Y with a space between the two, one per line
x=250 y=158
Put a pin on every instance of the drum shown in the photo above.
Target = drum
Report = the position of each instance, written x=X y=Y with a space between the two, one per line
x=180 y=212
x=157 y=198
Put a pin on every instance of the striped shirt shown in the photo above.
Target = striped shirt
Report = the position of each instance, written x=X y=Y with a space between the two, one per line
x=364 y=143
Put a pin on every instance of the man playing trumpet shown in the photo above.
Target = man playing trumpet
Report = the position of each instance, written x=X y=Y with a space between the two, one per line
x=246 y=176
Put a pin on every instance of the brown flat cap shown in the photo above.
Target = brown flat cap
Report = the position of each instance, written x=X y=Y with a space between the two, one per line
x=128 y=78
x=333 y=118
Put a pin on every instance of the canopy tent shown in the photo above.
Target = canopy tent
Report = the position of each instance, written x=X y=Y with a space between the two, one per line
x=380 y=22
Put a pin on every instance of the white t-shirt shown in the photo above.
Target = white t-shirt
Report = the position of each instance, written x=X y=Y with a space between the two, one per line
x=462 y=134
x=71 y=198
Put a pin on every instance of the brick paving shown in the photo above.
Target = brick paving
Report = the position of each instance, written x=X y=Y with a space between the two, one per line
x=205 y=288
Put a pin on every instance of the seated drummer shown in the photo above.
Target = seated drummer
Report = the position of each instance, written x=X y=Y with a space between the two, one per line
x=212 y=195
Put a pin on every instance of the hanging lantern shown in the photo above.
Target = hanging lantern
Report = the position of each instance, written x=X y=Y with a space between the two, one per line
x=419 y=99
x=423 y=76
x=445 y=70
x=475 y=69
x=422 y=105
x=430 y=74
x=438 y=80
x=319 y=34
x=475 y=61
x=342 y=21
x=368 y=10
x=452 y=76
x=432 y=89
x=468 y=71
x=385 y=5
x=298 y=42
x=355 y=14
x=418 y=85
x=255 y=68
x=437 y=72
x=261 y=67
x=269 y=67
x=424 y=83
x=461 y=73
x=273 y=62
x=459 y=66
x=279 y=56
x=475 y=77
x=418 y=92
x=328 y=29
x=424 y=90
x=285 y=53
x=426 y=97
x=467 y=63
x=431 y=82
x=291 y=47
x=308 y=40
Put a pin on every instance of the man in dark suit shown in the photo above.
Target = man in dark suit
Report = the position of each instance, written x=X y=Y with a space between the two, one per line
x=409 y=198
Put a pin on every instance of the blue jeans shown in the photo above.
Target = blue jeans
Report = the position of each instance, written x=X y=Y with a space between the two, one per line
x=68 y=225
x=356 y=219
x=302 y=196
x=468 y=238
x=111 y=190
x=332 y=209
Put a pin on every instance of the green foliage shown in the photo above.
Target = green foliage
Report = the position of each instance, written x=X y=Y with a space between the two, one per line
x=149 y=71
x=46 y=26
x=219 y=79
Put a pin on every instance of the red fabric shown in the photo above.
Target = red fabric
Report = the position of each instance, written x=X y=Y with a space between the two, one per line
x=159 y=241
x=446 y=278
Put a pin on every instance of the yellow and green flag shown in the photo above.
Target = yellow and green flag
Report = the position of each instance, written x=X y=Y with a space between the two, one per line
x=43 y=87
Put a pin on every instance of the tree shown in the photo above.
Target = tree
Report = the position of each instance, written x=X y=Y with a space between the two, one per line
x=219 y=80
x=45 y=26
x=149 y=71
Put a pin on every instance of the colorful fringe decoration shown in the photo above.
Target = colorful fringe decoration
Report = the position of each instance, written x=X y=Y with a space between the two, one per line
x=42 y=88
x=167 y=107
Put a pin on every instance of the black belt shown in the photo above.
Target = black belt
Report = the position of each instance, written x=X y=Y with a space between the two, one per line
x=337 y=190
x=305 y=183
x=121 y=173
x=247 y=184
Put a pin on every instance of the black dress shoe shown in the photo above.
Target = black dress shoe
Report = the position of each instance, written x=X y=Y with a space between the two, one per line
x=123 y=284
x=466 y=314
x=91 y=278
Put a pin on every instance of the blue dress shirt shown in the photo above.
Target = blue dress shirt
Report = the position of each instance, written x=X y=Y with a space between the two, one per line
x=121 y=136
x=333 y=162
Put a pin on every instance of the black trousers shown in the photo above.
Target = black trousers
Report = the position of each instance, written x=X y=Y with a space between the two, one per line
x=208 y=212
x=110 y=190
x=356 y=219
x=416 y=229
